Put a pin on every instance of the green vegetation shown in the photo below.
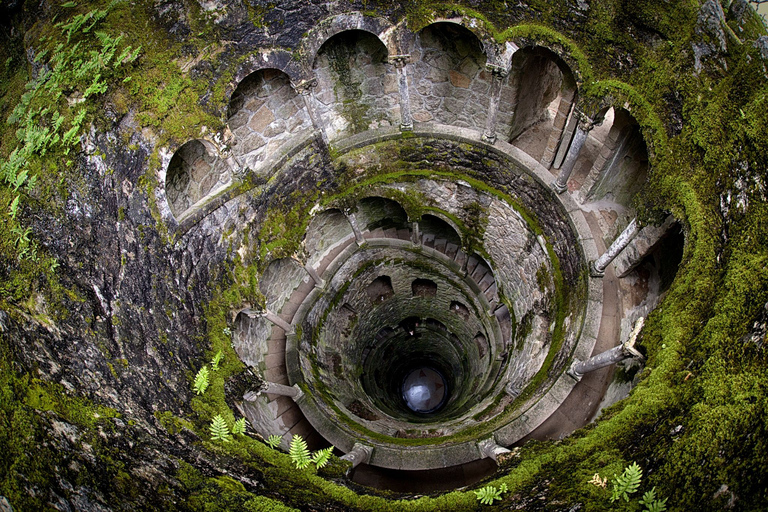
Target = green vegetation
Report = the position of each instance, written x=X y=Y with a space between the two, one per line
x=488 y=494
x=299 y=452
x=201 y=380
x=219 y=429
x=627 y=483
x=274 y=440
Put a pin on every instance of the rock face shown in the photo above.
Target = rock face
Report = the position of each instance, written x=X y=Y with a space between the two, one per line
x=210 y=192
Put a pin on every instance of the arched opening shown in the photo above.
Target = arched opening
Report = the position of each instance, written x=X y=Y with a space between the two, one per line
x=328 y=232
x=380 y=289
x=265 y=113
x=537 y=100
x=424 y=288
x=356 y=89
x=193 y=173
x=381 y=217
x=439 y=234
x=449 y=81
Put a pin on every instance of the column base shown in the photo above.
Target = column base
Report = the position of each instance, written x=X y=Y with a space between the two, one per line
x=594 y=272
x=572 y=371
x=490 y=139
x=406 y=127
x=558 y=188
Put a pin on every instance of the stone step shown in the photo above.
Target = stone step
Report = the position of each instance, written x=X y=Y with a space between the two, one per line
x=428 y=240
x=291 y=417
x=486 y=282
x=440 y=244
x=278 y=375
x=274 y=360
x=491 y=292
x=404 y=234
x=460 y=258
x=451 y=250
x=390 y=233
x=472 y=263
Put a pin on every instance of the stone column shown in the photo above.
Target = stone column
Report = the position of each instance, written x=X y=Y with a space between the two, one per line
x=610 y=356
x=498 y=74
x=360 y=454
x=415 y=234
x=605 y=162
x=306 y=90
x=272 y=388
x=597 y=269
x=560 y=185
x=565 y=139
x=350 y=215
x=272 y=317
x=563 y=110
x=401 y=64
x=489 y=449
x=319 y=283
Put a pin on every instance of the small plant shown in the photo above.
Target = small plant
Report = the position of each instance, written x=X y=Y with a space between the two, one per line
x=598 y=481
x=488 y=494
x=216 y=360
x=652 y=503
x=239 y=426
x=274 y=441
x=627 y=483
x=219 y=429
x=201 y=381
x=321 y=457
x=299 y=452
x=227 y=331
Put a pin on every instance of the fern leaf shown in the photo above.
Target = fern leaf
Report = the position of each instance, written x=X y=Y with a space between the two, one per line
x=239 y=426
x=299 y=452
x=274 y=440
x=14 y=207
x=219 y=429
x=651 y=503
x=627 y=483
x=488 y=494
x=201 y=381
x=321 y=457
x=216 y=360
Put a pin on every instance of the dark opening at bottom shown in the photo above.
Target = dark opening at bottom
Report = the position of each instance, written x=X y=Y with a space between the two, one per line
x=424 y=390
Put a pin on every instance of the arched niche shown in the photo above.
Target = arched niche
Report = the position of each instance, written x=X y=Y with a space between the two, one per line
x=264 y=113
x=194 y=172
x=326 y=231
x=356 y=89
x=449 y=82
x=279 y=280
x=438 y=233
x=424 y=288
x=536 y=100
x=619 y=163
x=380 y=289
x=379 y=213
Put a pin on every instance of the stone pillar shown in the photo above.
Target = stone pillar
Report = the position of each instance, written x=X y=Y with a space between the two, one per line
x=401 y=64
x=306 y=90
x=415 y=234
x=565 y=139
x=597 y=268
x=272 y=388
x=610 y=356
x=350 y=215
x=360 y=454
x=498 y=74
x=489 y=449
x=563 y=110
x=275 y=319
x=560 y=185
x=319 y=283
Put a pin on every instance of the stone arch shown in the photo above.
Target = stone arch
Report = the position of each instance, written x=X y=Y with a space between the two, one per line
x=356 y=88
x=194 y=172
x=449 y=80
x=381 y=28
x=327 y=231
x=267 y=59
x=439 y=226
x=379 y=213
x=423 y=288
x=472 y=25
x=265 y=113
x=380 y=289
x=620 y=166
x=537 y=100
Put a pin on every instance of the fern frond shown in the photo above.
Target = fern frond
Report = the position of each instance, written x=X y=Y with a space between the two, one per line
x=201 y=381
x=219 y=429
x=321 y=457
x=239 y=426
x=216 y=360
x=651 y=503
x=627 y=483
x=299 y=452
x=274 y=441
x=488 y=494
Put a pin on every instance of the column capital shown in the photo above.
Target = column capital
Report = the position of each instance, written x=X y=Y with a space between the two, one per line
x=400 y=61
x=304 y=86
x=498 y=72
x=586 y=123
